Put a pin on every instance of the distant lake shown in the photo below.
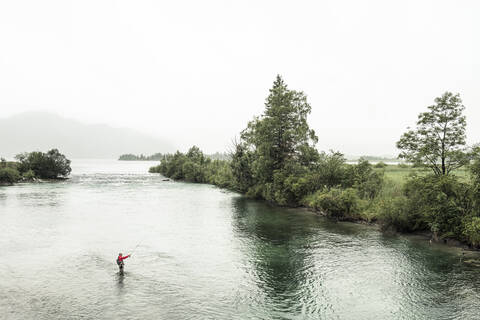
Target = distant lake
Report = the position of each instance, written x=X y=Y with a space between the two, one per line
x=205 y=253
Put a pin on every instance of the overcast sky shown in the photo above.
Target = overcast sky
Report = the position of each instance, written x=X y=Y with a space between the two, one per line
x=195 y=72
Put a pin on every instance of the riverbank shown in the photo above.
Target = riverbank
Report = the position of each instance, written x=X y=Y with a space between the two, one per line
x=397 y=198
x=427 y=237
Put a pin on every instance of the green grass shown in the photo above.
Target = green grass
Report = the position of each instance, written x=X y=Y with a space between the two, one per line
x=399 y=175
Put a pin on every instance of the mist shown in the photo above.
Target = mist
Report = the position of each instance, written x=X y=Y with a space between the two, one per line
x=190 y=72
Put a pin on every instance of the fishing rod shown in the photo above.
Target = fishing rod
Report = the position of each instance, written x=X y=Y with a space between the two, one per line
x=137 y=246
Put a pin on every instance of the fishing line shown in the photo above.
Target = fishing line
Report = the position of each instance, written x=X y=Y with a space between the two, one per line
x=137 y=246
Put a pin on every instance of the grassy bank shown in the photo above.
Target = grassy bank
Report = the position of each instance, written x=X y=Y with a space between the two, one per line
x=399 y=174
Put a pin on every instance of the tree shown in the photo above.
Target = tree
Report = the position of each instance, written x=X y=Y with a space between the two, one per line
x=50 y=165
x=329 y=171
x=276 y=148
x=439 y=141
x=241 y=167
x=282 y=133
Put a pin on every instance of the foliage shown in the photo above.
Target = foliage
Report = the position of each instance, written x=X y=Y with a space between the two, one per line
x=439 y=140
x=329 y=171
x=471 y=230
x=394 y=214
x=276 y=147
x=29 y=175
x=336 y=203
x=241 y=166
x=380 y=165
x=365 y=179
x=433 y=203
x=194 y=166
x=8 y=175
x=50 y=165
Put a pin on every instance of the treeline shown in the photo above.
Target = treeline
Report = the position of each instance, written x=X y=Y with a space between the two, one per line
x=160 y=156
x=377 y=159
x=35 y=165
x=194 y=166
x=132 y=157
x=276 y=160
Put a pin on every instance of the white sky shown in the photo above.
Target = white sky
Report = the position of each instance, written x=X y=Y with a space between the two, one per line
x=195 y=72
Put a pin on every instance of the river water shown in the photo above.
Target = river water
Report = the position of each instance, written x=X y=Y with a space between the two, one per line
x=205 y=253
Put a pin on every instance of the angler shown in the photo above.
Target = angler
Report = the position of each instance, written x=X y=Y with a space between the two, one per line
x=120 y=262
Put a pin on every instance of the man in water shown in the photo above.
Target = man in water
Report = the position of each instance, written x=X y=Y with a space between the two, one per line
x=120 y=263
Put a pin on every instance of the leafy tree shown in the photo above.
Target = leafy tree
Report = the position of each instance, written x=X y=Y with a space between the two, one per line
x=196 y=155
x=367 y=181
x=241 y=167
x=441 y=203
x=330 y=170
x=439 y=141
x=50 y=165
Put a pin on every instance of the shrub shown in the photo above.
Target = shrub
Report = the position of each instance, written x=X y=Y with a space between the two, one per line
x=380 y=165
x=367 y=181
x=471 y=231
x=29 y=175
x=395 y=215
x=335 y=203
x=438 y=204
x=9 y=175
x=330 y=171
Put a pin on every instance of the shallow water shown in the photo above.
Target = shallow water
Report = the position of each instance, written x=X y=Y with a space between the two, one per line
x=204 y=253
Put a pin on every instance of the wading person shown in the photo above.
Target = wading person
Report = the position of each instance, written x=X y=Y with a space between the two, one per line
x=120 y=263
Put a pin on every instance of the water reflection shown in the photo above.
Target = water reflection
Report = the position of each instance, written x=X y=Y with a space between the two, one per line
x=277 y=251
x=310 y=267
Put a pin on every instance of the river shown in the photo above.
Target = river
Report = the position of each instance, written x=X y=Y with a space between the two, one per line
x=205 y=253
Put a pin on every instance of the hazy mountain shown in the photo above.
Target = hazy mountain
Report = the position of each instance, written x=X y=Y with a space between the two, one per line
x=42 y=131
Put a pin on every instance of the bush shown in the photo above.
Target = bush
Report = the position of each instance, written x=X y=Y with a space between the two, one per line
x=395 y=215
x=439 y=203
x=9 y=175
x=330 y=171
x=29 y=175
x=365 y=179
x=471 y=230
x=380 y=165
x=195 y=167
x=335 y=203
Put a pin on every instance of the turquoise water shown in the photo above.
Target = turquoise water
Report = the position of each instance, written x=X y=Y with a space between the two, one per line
x=205 y=253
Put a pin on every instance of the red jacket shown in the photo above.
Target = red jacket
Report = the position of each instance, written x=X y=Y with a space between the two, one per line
x=120 y=258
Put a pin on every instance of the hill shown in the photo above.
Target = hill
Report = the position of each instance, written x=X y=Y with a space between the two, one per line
x=43 y=131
